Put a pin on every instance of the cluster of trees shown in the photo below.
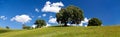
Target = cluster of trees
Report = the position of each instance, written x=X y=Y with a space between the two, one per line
x=26 y=27
x=74 y=15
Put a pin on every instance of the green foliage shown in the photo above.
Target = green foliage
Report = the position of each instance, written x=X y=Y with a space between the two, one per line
x=94 y=22
x=70 y=14
x=26 y=27
x=40 y=23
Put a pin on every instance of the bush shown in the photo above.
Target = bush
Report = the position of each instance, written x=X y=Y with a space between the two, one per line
x=94 y=22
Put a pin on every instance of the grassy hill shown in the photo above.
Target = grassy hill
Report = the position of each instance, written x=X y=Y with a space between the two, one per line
x=105 y=31
x=2 y=30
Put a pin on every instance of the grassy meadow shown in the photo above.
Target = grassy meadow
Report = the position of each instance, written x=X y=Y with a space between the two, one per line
x=72 y=31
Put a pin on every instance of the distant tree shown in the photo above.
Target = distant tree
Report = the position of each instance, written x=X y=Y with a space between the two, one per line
x=23 y=26
x=70 y=14
x=94 y=22
x=40 y=23
x=7 y=27
x=26 y=27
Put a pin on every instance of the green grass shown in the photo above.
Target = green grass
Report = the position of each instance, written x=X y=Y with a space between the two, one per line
x=93 y=31
x=2 y=30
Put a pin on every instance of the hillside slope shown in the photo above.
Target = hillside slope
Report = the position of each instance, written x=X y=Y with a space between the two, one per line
x=4 y=30
x=107 y=31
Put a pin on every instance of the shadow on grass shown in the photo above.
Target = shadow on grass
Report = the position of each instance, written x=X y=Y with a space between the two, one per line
x=4 y=31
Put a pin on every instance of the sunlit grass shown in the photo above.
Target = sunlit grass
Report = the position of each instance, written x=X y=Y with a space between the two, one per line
x=93 y=31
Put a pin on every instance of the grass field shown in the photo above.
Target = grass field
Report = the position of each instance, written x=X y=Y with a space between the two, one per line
x=93 y=31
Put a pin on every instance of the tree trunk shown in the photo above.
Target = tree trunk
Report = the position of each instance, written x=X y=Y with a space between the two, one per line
x=65 y=24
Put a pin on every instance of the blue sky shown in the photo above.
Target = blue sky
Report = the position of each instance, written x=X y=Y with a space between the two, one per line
x=106 y=10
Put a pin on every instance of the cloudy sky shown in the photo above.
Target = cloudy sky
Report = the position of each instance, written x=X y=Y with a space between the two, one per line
x=14 y=13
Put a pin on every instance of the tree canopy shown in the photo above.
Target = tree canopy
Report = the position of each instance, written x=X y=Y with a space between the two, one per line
x=7 y=27
x=40 y=23
x=70 y=14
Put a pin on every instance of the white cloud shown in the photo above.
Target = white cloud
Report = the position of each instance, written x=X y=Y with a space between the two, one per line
x=68 y=24
x=52 y=20
x=34 y=26
x=21 y=18
x=48 y=24
x=52 y=7
x=3 y=17
x=85 y=25
x=81 y=24
x=84 y=22
x=50 y=16
x=37 y=10
x=44 y=15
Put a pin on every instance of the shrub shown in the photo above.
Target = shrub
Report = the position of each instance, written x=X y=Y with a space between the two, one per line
x=94 y=22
